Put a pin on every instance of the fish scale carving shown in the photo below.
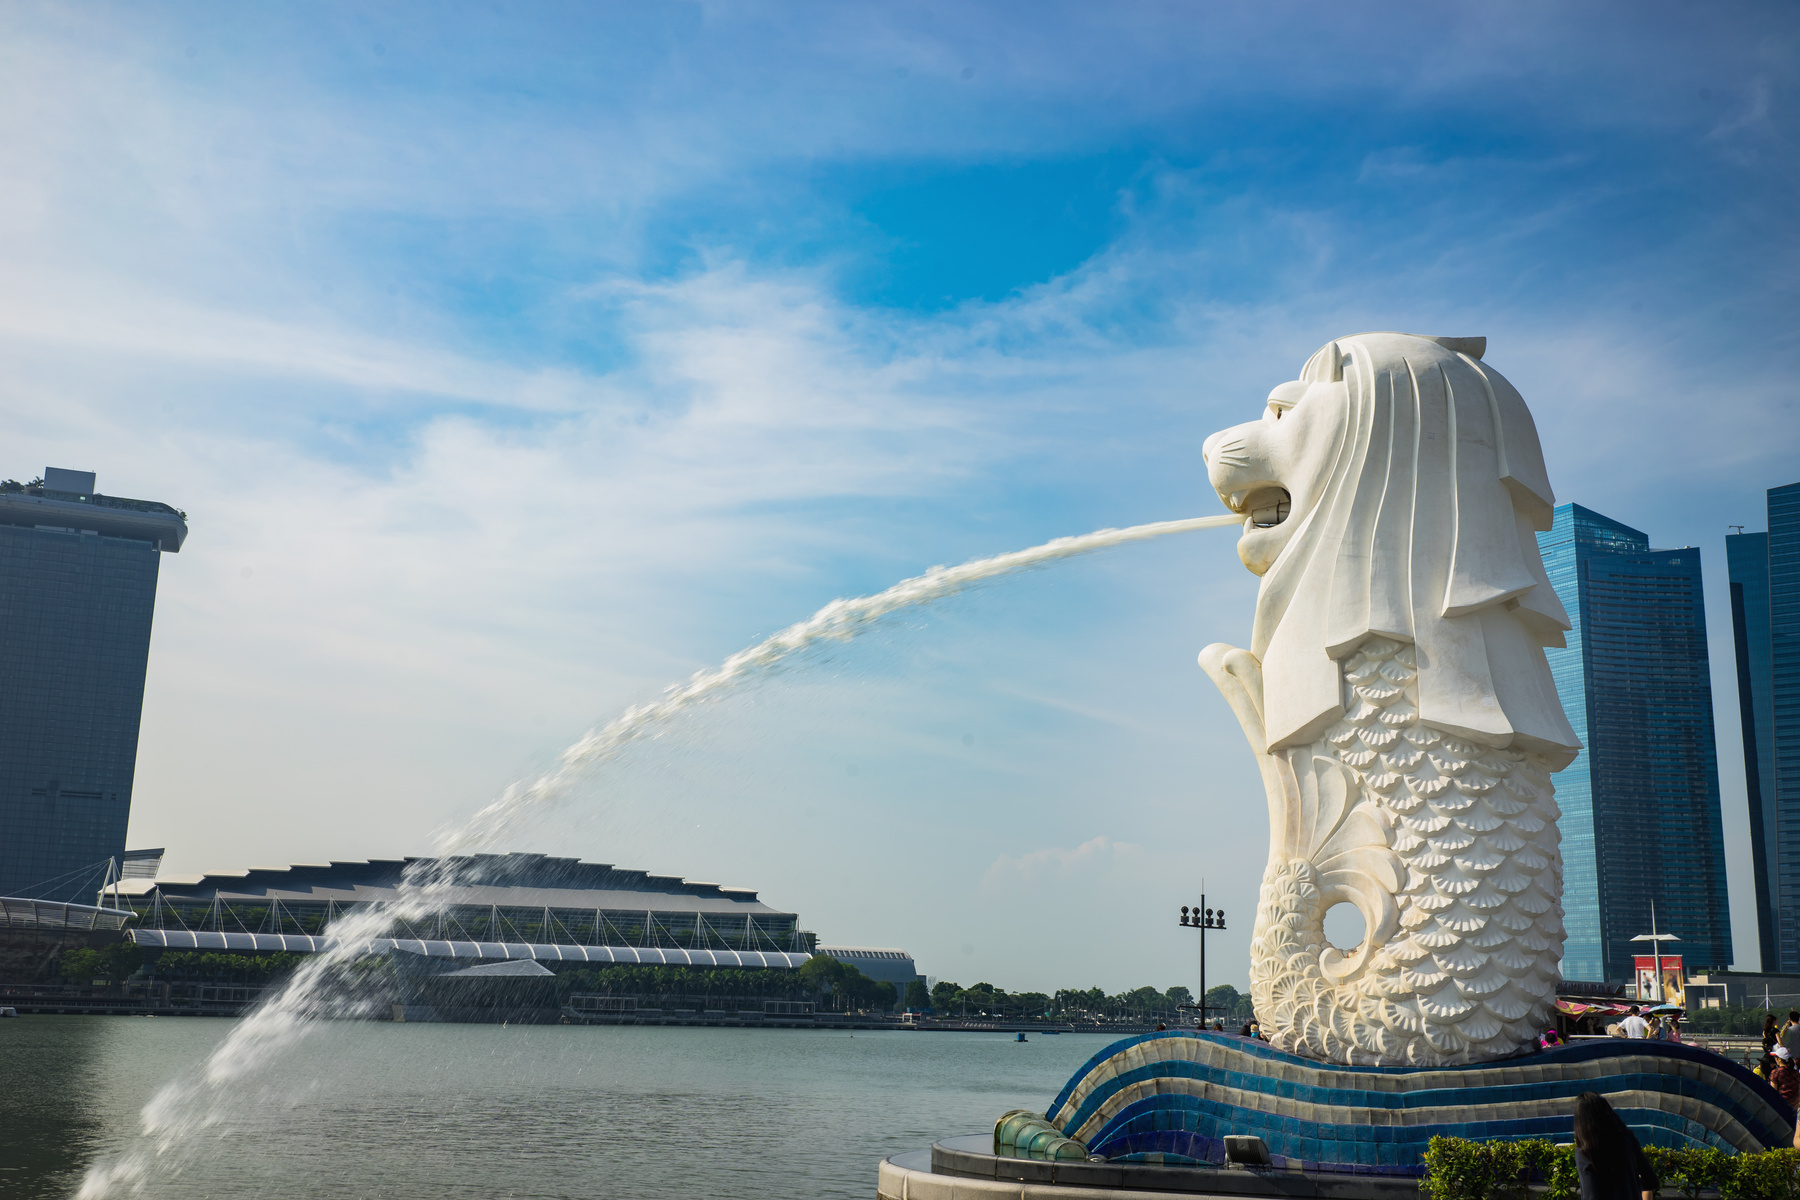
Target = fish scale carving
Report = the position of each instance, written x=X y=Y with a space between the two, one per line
x=1462 y=954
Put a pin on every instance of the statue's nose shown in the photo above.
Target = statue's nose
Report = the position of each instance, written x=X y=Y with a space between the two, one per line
x=1208 y=447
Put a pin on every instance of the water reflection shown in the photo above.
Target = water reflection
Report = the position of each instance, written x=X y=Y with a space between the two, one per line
x=376 y=1110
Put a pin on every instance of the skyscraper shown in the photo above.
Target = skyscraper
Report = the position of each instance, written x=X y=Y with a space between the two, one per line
x=77 y=591
x=1765 y=617
x=1641 y=802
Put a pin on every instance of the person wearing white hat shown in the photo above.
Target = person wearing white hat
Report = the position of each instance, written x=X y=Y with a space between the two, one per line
x=1782 y=1076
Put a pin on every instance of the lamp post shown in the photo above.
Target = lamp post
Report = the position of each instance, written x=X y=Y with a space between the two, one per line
x=1656 y=940
x=1202 y=918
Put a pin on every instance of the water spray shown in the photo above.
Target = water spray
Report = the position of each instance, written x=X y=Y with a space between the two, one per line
x=183 y=1109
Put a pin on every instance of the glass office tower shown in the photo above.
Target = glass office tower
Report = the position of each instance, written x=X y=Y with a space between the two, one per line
x=1641 y=802
x=77 y=591
x=1765 y=617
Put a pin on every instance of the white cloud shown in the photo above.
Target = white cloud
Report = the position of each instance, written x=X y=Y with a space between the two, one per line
x=1094 y=861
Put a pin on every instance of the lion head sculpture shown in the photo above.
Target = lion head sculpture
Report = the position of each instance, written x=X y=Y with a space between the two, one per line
x=1393 y=490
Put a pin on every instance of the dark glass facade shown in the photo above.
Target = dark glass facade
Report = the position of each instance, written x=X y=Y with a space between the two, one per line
x=1641 y=802
x=1765 y=599
x=75 y=613
x=1747 y=560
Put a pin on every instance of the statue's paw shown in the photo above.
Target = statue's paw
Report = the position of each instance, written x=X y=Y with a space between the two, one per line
x=1238 y=675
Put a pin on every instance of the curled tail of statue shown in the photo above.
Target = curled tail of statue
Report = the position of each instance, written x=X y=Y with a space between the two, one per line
x=1449 y=852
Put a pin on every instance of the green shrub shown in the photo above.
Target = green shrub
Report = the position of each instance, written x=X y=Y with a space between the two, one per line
x=1456 y=1169
x=1774 y=1175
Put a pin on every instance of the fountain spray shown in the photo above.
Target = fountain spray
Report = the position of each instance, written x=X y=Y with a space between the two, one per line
x=321 y=986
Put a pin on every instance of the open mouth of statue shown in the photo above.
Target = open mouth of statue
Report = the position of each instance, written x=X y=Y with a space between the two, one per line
x=1263 y=507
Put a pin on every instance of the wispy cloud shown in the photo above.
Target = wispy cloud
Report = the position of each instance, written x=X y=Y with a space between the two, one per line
x=1090 y=863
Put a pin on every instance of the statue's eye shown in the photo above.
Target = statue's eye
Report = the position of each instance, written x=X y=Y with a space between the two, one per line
x=1275 y=410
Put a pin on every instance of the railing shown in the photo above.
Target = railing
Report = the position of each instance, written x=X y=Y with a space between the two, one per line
x=120 y=502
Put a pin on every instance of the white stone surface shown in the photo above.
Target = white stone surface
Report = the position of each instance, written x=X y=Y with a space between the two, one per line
x=1397 y=698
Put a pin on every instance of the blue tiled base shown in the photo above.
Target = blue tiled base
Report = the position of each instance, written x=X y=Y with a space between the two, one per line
x=1172 y=1097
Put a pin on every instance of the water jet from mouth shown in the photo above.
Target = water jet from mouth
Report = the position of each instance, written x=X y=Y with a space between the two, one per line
x=322 y=985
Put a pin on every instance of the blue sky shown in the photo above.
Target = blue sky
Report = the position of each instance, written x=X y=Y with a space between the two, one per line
x=514 y=360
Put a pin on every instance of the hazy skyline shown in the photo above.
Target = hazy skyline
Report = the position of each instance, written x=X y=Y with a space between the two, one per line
x=512 y=362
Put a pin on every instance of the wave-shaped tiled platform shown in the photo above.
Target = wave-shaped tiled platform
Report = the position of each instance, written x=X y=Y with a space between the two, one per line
x=1172 y=1097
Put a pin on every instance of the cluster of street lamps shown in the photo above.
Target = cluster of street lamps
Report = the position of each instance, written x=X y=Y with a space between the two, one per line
x=1202 y=918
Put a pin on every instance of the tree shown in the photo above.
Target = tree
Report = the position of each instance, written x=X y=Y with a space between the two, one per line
x=1226 y=1003
x=848 y=987
x=113 y=963
x=917 y=997
x=943 y=996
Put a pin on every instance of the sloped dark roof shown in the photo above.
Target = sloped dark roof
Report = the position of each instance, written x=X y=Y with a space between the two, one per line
x=530 y=880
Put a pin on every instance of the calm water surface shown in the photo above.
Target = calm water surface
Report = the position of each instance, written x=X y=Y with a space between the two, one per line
x=406 y=1112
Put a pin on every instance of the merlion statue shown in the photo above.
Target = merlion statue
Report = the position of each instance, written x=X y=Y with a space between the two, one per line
x=1399 y=703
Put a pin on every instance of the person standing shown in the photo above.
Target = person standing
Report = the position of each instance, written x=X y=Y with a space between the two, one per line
x=1770 y=1033
x=1783 y=1078
x=1790 y=1034
x=1608 y=1159
x=1634 y=1026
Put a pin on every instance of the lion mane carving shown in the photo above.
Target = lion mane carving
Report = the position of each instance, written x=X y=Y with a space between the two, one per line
x=1399 y=703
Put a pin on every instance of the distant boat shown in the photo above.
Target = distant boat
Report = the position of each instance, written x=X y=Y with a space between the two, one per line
x=1018 y=1037
x=9 y=1011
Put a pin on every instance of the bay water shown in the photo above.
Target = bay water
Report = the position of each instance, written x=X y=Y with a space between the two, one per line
x=369 y=1110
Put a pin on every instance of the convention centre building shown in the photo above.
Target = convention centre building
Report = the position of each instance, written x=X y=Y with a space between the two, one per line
x=485 y=906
